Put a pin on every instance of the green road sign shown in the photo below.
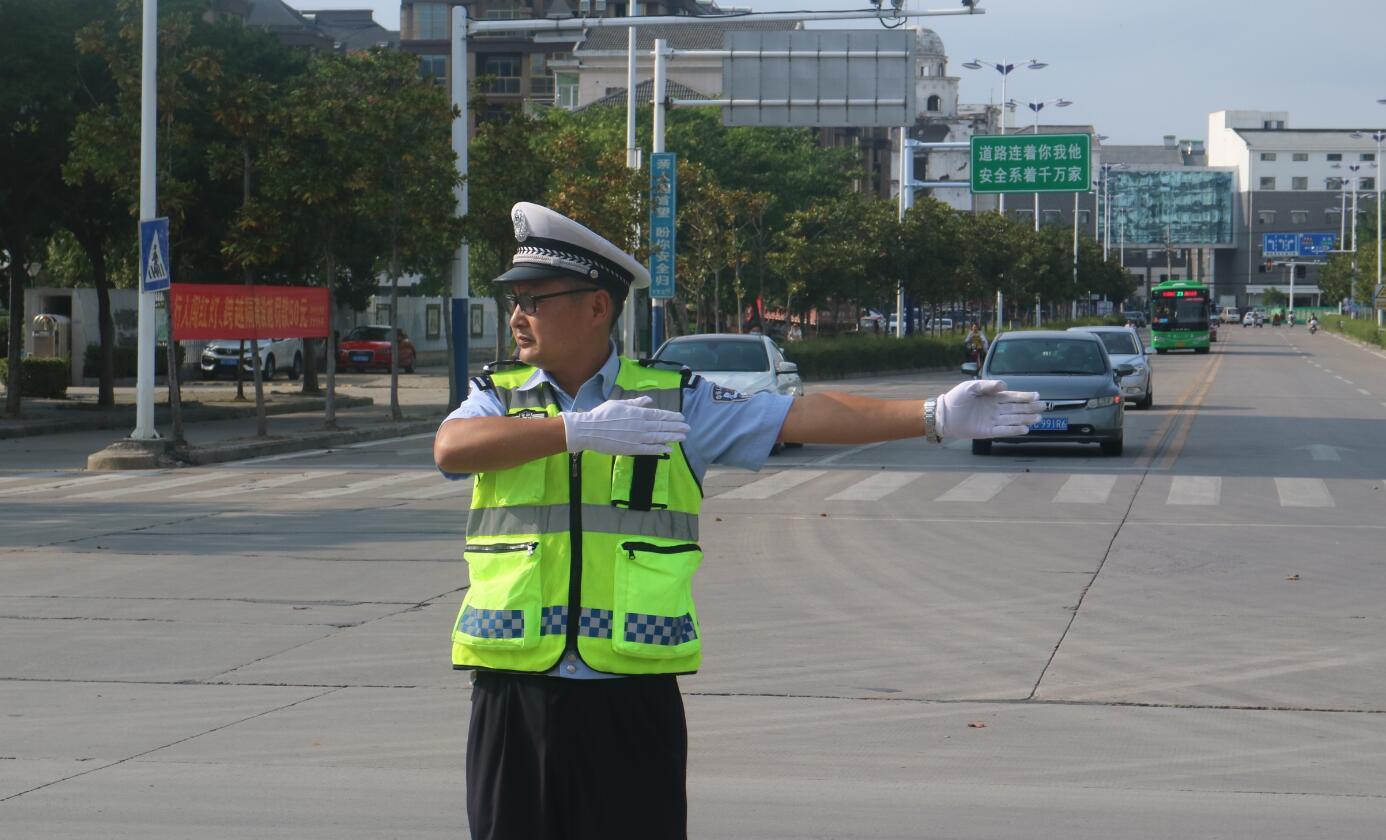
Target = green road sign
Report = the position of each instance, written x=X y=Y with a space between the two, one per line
x=1032 y=163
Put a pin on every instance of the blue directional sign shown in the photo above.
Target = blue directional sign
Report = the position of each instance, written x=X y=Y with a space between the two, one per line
x=664 y=190
x=1297 y=245
x=1317 y=244
x=1279 y=245
x=154 y=255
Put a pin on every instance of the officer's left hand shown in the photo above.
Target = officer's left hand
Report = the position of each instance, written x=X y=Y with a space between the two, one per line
x=983 y=408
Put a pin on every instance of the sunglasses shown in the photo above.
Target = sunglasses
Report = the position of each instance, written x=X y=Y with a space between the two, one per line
x=530 y=303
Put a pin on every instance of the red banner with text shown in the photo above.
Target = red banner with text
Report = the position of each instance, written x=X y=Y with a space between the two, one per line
x=205 y=311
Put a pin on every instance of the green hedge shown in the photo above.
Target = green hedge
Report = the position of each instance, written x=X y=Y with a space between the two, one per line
x=126 y=360
x=1363 y=330
x=41 y=377
x=833 y=358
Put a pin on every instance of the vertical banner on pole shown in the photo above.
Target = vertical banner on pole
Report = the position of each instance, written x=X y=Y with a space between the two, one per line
x=663 y=210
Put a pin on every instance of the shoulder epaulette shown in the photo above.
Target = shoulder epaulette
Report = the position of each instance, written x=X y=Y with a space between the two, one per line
x=661 y=363
x=483 y=383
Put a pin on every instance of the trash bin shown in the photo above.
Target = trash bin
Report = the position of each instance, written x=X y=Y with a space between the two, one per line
x=51 y=336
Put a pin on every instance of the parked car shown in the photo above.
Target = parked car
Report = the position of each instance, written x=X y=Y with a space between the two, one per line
x=1135 y=316
x=276 y=354
x=369 y=347
x=747 y=364
x=1229 y=315
x=1124 y=348
x=1075 y=379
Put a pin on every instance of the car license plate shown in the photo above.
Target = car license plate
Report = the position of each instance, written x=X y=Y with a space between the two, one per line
x=1051 y=424
x=227 y=362
x=360 y=357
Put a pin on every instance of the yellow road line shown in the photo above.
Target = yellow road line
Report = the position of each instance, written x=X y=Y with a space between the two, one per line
x=1152 y=447
x=1182 y=435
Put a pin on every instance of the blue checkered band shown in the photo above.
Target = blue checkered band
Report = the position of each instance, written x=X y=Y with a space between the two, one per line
x=492 y=624
x=595 y=623
x=660 y=629
x=553 y=621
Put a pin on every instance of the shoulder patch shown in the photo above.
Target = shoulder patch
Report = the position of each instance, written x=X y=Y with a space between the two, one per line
x=720 y=394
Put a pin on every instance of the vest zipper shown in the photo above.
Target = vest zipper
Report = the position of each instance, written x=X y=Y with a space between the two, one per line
x=501 y=548
x=574 y=547
x=632 y=547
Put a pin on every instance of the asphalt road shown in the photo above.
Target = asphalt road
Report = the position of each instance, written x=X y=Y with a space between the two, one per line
x=902 y=641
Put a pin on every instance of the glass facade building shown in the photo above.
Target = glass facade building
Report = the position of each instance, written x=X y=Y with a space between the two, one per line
x=1184 y=207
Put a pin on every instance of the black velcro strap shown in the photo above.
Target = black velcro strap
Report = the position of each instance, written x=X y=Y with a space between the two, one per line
x=642 y=481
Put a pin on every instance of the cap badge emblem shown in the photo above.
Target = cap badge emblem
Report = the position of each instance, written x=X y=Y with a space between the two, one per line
x=521 y=225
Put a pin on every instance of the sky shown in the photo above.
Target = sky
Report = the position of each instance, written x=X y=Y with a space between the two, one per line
x=1137 y=69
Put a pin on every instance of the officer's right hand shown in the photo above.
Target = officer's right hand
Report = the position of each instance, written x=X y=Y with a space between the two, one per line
x=624 y=427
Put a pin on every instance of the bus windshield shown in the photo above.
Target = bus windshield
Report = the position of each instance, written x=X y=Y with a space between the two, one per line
x=1185 y=313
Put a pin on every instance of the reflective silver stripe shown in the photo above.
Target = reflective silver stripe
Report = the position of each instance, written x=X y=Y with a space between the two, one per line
x=669 y=399
x=553 y=519
x=528 y=398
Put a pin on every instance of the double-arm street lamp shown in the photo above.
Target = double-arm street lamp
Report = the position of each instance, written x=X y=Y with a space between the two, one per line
x=1004 y=68
x=1107 y=207
x=1378 y=136
x=1035 y=108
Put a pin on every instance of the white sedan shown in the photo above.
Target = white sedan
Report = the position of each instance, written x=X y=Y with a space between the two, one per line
x=749 y=364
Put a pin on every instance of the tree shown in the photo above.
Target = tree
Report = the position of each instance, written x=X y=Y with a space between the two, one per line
x=1335 y=280
x=1273 y=298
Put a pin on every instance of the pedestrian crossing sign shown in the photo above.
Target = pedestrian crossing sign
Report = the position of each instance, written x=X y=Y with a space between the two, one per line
x=154 y=270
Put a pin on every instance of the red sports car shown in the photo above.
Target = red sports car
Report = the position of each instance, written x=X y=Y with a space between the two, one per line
x=369 y=347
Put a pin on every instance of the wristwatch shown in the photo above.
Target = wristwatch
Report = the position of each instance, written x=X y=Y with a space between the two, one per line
x=931 y=422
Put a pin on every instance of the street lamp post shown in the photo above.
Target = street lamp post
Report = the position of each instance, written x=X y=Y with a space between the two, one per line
x=1107 y=207
x=1035 y=108
x=1378 y=136
x=1004 y=68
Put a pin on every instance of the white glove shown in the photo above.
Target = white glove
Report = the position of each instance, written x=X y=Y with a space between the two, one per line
x=982 y=408
x=624 y=427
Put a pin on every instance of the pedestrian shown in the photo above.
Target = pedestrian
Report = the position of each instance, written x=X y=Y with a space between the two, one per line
x=794 y=333
x=582 y=539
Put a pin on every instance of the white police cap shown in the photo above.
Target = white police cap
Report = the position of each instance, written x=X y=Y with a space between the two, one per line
x=552 y=244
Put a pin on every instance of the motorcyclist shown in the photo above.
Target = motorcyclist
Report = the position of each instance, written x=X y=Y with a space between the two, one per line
x=976 y=343
x=1313 y=324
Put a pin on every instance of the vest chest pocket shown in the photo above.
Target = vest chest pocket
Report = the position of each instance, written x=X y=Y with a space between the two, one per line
x=654 y=613
x=520 y=486
x=502 y=604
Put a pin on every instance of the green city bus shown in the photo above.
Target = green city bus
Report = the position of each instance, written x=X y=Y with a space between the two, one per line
x=1179 y=316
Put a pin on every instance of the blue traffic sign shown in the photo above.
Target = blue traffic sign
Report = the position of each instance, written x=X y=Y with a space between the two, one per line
x=154 y=255
x=1316 y=244
x=1297 y=245
x=1279 y=245
x=664 y=193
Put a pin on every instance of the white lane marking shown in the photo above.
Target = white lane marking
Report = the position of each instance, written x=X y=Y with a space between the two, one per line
x=1347 y=381
x=261 y=484
x=152 y=487
x=772 y=485
x=1364 y=392
x=1085 y=489
x=1323 y=452
x=369 y=443
x=978 y=487
x=1303 y=492
x=368 y=484
x=449 y=488
x=310 y=453
x=875 y=487
x=8 y=478
x=75 y=481
x=1194 y=490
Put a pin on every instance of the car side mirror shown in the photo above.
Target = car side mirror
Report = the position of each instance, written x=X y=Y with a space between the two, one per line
x=1124 y=370
x=969 y=368
x=786 y=367
x=1150 y=351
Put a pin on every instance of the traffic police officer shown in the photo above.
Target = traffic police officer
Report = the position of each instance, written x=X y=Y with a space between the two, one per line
x=582 y=539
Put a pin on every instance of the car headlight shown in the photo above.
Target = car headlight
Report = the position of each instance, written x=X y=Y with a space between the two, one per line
x=1103 y=402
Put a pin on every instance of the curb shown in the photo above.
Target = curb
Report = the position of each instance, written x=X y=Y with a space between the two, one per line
x=119 y=417
x=131 y=455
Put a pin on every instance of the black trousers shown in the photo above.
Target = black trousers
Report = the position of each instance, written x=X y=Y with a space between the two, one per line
x=556 y=759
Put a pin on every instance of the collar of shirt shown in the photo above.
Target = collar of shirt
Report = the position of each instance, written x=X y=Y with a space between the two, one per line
x=593 y=392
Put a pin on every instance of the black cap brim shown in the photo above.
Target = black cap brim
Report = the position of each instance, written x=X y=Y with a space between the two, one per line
x=545 y=272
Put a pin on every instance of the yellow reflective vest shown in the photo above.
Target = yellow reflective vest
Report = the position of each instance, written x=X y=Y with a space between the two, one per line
x=584 y=550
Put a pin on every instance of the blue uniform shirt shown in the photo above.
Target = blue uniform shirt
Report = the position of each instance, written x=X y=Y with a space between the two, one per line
x=725 y=428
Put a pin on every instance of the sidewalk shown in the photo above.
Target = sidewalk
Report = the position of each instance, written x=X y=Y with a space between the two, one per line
x=218 y=428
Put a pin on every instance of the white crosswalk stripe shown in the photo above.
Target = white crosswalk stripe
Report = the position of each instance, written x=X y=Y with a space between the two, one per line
x=1194 y=490
x=368 y=484
x=772 y=485
x=446 y=488
x=256 y=485
x=150 y=487
x=1303 y=492
x=74 y=481
x=875 y=487
x=979 y=487
x=1086 y=489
